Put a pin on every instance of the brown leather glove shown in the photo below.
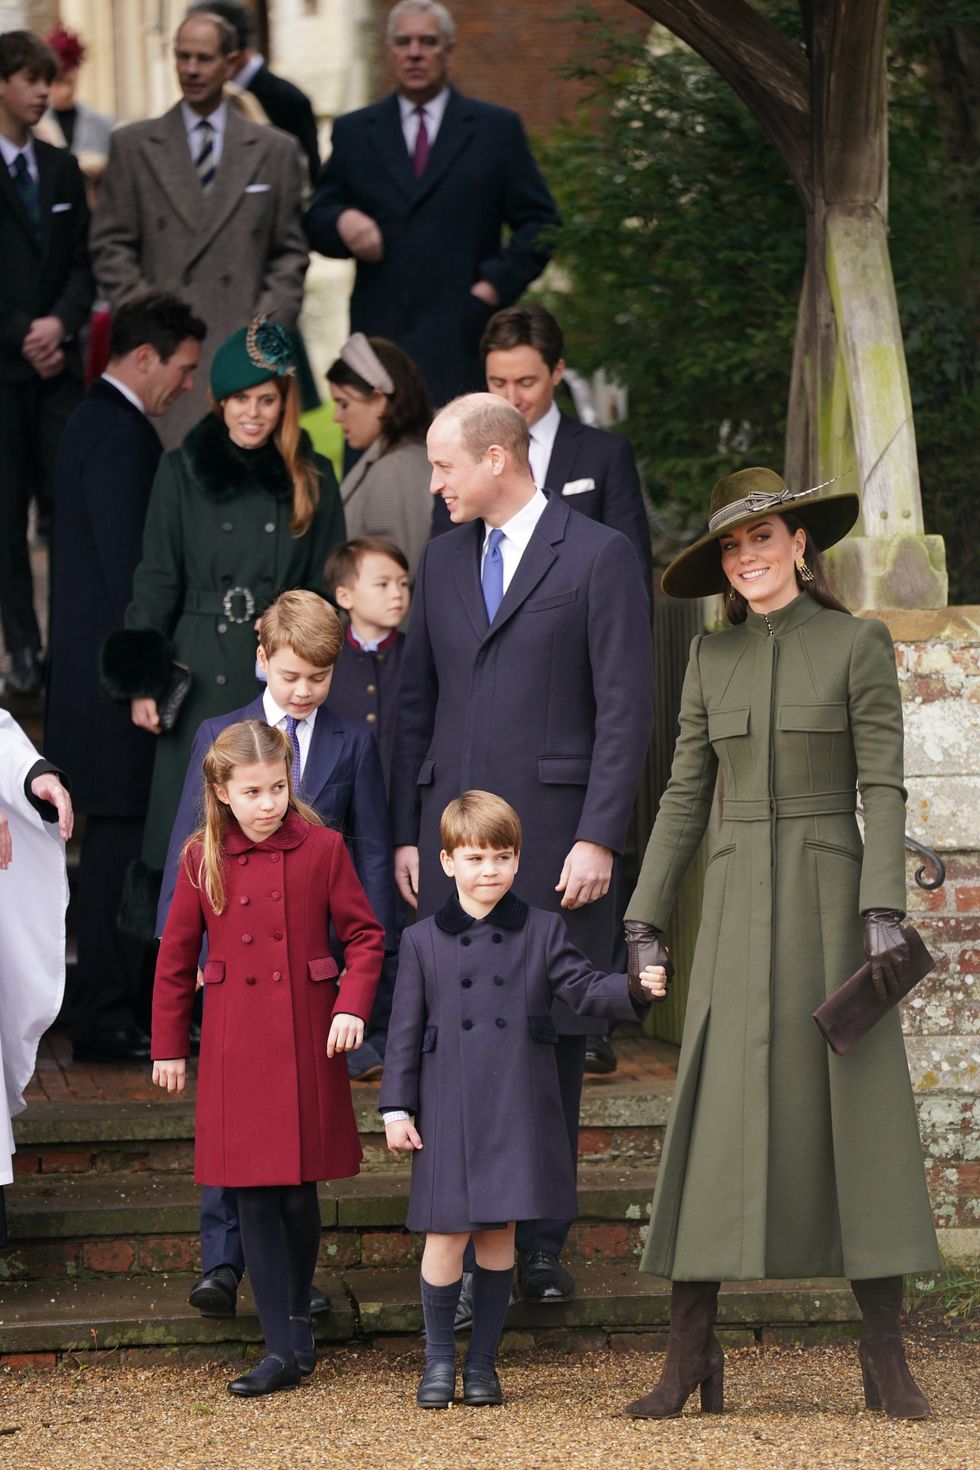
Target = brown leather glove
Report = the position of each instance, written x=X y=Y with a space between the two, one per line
x=887 y=948
x=645 y=947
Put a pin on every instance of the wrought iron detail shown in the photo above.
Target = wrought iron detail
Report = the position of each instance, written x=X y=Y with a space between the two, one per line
x=929 y=884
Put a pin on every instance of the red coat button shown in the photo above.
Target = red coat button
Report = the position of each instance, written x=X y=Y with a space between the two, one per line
x=275 y=893
x=249 y=979
x=273 y=857
x=246 y=938
x=277 y=974
x=243 y=899
x=242 y=861
x=277 y=933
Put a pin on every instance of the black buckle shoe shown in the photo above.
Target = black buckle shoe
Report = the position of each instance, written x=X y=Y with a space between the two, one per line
x=271 y=1375
x=481 y=1387
x=543 y=1278
x=437 y=1386
x=305 y=1356
x=216 y=1294
x=319 y=1302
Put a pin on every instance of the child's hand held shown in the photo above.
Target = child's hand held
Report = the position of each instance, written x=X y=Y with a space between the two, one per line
x=402 y=1136
x=346 y=1034
x=654 y=980
x=172 y=1074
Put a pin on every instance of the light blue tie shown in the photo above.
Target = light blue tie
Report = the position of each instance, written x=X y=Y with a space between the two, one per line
x=493 y=575
x=291 y=724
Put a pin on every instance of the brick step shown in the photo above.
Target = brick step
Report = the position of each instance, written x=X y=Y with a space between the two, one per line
x=98 y=1225
x=151 y=1312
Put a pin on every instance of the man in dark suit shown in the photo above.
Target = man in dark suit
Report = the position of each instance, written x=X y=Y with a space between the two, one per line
x=284 y=104
x=109 y=456
x=419 y=189
x=46 y=291
x=527 y=672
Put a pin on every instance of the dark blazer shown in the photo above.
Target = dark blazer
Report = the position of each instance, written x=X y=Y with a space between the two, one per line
x=365 y=688
x=442 y=232
x=471 y=1052
x=108 y=458
x=289 y=109
x=47 y=279
x=551 y=706
x=343 y=783
x=580 y=454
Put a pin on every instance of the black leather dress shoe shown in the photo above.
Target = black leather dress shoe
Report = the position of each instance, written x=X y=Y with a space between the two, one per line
x=481 y=1387
x=600 y=1059
x=319 y=1302
x=271 y=1375
x=216 y=1293
x=543 y=1278
x=306 y=1355
x=127 y=1044
x=437 y=1386
x=25 y=676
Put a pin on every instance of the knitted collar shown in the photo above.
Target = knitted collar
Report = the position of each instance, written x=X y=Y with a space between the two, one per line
x=293 y=831
x=510 y=913
x=221 y=469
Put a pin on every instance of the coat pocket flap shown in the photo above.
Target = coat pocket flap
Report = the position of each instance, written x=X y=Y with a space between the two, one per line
x=427 y=773
x=325 y=969
x=564 y=770
x=557 y=599
x=213 y=972
x=723 y=724
x=812 y=717
x=543 y=1028
x=429 y=1038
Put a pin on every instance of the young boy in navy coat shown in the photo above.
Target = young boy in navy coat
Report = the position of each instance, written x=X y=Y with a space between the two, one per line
x=368 y=578
x=336 y=768
x=471 y=1057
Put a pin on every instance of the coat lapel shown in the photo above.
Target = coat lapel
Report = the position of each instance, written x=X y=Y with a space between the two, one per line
x=466 y=566
x=168 y=156
x=240 y=157
x=455 y=133
x=563 y=452
x=326 y=746
x=48 y=167
x=8 y=189
x=389 y=142
x=538 y=558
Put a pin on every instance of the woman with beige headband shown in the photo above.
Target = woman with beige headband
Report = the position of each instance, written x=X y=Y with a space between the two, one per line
x=382 y=406
x=783 y=1160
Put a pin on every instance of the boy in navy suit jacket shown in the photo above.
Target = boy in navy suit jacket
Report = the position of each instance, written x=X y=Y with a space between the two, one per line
x=339 y=774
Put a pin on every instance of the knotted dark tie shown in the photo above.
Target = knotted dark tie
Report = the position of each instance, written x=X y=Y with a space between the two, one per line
x=493 y=575
x=26 y=187
x=420 y=157
x=294 y=768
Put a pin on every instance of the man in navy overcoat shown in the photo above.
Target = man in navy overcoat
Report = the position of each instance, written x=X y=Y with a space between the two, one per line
x=527 y=672
x=419 y=189
x=108 y=458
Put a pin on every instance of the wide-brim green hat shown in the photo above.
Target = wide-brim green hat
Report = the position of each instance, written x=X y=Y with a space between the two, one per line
x=749 y=495
x=251 y=356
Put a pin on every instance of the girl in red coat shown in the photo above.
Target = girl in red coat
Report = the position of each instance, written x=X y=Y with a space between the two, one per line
x=265 y=880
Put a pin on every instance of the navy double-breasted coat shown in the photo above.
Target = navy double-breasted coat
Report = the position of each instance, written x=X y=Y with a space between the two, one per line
x=471 y=1053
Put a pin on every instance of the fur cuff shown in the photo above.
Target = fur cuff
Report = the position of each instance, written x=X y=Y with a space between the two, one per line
x=135 y=663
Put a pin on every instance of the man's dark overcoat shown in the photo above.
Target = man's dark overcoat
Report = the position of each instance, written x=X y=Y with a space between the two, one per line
x=109 y=455
x=442 y=233
x=471 y=1053
x=272 y=1107
x=549 y=707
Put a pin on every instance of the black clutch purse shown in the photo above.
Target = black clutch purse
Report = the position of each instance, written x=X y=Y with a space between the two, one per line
x=168 y=708
x=851 y=1011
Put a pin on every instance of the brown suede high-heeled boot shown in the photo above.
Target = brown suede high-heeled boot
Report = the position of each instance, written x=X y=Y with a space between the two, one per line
x=694 y=1355
x=888 y=1383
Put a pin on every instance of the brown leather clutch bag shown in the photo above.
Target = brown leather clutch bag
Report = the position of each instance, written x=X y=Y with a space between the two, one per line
x=851 y=1011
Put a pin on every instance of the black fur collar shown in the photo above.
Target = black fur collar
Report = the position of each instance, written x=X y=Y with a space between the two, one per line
x=509 y=913
x=220 y=468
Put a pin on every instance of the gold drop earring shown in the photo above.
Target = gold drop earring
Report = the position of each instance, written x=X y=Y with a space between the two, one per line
x=804 y=571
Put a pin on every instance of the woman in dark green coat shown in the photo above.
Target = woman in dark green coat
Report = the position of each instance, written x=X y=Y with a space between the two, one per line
x=242 y=511
x=782 y=1159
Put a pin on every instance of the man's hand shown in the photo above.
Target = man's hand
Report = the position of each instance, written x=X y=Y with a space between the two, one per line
x=346 y=1034
x=407 y=874
x=486 y=293
x=144 y=713
x=47 y=787
x=361 y=235
x=6 y=844
x=45 y=337
x=402 y=1137
x=50 y=365
x=171 y=1075
x=586 y=875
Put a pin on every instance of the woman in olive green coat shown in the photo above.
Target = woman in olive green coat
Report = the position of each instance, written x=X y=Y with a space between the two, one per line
x=242 y=511
x=782 y=1159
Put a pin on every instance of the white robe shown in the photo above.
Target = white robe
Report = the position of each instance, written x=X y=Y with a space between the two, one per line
x=33 y=899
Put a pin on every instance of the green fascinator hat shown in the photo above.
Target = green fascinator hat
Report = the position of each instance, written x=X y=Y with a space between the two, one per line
x=251 y=356
x=751 y=495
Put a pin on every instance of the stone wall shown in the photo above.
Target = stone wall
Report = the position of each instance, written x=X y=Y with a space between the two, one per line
x=938 y=655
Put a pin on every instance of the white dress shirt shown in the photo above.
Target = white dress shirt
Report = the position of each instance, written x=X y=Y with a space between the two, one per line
x=11 y=152
x=517 y=533
x=304 y=728
x=434 y=113
x=218 y=119
x=254 y=63
x=126 y=392
x=542 y=443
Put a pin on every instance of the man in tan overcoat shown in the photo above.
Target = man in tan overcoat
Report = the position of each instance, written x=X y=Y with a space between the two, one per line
x=206 y=204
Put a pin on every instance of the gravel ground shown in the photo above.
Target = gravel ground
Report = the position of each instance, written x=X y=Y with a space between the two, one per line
x=796 y=1409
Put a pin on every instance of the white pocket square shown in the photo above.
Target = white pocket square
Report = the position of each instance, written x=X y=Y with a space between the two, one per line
x=60 y=208
x=577 y=487
x=257 y=188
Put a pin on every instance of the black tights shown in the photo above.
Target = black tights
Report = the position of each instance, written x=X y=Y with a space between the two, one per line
x=281 y=1239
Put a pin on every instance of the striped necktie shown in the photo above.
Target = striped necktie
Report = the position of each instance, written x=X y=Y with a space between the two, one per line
x=204 y=161
x=26 y=187
x=294 y=769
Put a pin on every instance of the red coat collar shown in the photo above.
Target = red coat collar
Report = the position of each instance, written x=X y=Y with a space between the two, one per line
x=293 y=831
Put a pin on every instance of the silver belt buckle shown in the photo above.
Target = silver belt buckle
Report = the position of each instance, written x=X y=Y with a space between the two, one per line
x=246 y=594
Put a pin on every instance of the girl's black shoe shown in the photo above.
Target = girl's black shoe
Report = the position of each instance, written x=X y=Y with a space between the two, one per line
x=272 y=1374
x=305 y=1356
